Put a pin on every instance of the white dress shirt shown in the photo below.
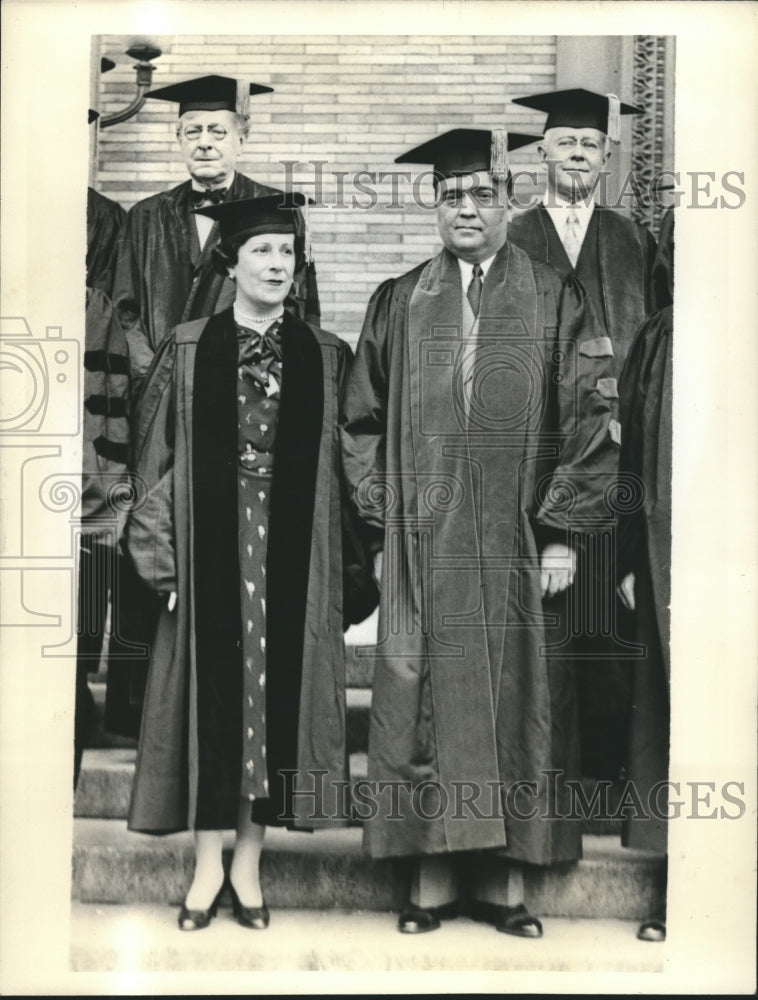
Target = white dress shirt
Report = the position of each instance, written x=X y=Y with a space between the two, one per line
x=470 y=336
x=558 y=209
x=202 y=222
x=467 y=271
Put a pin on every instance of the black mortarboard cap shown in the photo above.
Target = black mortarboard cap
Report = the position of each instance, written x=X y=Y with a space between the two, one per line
x=274 y=213
x=579 y=108
x=468 y=151
x=210 y=93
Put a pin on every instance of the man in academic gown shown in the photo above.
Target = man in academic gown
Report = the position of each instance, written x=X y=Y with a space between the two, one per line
x=645 y=557
x=612 y=257
x=164 y=276
x=104 y=220
x=479 y=426
x=105 y=433
x=105 y=452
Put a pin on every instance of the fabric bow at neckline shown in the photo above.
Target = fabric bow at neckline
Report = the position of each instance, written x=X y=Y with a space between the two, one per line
x=206 y=196
x=259 y=353
x=260 y=347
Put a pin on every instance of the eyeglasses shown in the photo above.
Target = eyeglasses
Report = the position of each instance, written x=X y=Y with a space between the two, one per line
x=193 y=132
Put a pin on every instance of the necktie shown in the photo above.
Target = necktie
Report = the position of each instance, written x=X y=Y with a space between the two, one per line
x=572 y=239
x=201 y=198
x=474 y=293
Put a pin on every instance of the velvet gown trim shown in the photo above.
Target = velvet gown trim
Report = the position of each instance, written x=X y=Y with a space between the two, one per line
x=217 y=598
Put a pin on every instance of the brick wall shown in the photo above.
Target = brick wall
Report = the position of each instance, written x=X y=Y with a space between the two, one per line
x=355 y=102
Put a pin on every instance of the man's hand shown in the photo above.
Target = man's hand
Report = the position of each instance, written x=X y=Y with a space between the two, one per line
x=172 y=600
x=378 y=562
x=557 y=568
x=625 y=590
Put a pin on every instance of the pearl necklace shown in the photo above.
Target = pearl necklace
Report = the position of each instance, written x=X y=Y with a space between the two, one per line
x=254 y=321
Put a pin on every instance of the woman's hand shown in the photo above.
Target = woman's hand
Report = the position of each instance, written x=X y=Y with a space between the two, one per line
x=172 y=600
x=557 y=568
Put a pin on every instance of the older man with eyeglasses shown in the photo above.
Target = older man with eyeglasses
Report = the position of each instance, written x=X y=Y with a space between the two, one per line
x=164 y=274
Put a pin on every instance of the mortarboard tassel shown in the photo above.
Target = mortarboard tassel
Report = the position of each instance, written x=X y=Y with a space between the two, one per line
x=308 y=248
x=242 y=104
x=499 y=154
x=614 y=118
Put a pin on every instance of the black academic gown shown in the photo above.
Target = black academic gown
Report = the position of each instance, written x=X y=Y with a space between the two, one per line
x=183 y=536
x=104 y=221
x=615 y=268
x=105 y=452
x=645 y=549
x=465 y=692
x=164 y=278
x=105 y=448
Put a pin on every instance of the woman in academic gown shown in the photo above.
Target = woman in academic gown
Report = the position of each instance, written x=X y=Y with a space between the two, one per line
x=240 y=525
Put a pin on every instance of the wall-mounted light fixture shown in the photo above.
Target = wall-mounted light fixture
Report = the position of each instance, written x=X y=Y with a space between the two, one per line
x=144 y=69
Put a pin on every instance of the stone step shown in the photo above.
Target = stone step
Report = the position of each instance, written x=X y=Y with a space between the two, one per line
x=329 y=870
x=358 y=712
x=105 y=782
x=359 y=666
x=98 y=736
x=145 y=938
x=359 y=643
x=358 y=701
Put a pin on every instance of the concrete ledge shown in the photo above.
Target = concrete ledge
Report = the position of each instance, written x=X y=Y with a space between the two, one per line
x=329 y=870
x=325 y=869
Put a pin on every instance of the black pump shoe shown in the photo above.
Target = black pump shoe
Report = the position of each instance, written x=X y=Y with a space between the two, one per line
x=198 y=920
x=255 y=917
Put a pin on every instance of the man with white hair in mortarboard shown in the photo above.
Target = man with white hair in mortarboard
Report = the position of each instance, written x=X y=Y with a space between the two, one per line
x=164 y=274
x=612 y=256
